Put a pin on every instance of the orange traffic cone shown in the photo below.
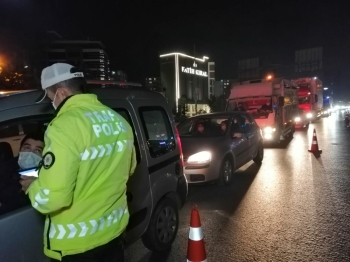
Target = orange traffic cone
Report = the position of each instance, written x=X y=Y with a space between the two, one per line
x=196 y=249
x=314 y=145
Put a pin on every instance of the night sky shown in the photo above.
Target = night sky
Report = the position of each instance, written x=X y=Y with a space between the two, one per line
x=135 y=33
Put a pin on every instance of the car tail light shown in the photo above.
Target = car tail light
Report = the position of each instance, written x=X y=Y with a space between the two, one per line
x=180 y=146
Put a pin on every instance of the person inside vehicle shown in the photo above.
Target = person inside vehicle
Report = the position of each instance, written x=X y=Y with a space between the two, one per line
x=239 y=107
x=200 y=131
x=266 y=108
x=30 y=155
x=223 y=126
x=235 y=128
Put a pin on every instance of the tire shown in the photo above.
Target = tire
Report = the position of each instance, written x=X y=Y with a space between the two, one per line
x=226 y=172
x=163 y=226
x=292 y=131
x=260 y=155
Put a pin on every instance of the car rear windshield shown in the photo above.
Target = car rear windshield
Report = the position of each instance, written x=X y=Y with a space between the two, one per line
x=204 y=127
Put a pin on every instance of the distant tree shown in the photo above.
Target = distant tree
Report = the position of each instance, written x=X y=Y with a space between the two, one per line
x=217 y=104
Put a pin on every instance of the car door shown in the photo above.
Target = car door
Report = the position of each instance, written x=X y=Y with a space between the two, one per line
x=21 y=226
x=240 y=143
x=139 y=195
x=251 y=131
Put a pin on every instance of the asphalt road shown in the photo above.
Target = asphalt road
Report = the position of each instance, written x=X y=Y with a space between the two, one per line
x=295 y=207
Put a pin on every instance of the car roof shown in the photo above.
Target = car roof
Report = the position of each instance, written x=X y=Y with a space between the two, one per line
x=129 y=93
x=218 y=114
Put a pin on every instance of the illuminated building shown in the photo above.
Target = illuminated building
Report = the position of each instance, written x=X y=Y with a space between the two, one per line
x=89 y=56
x=186 y=77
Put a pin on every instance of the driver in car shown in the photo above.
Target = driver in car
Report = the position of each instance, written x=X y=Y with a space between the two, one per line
x=267 y=107
x=30 y=155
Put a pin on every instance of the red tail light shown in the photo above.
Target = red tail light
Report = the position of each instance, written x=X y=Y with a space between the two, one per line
x=180 y=146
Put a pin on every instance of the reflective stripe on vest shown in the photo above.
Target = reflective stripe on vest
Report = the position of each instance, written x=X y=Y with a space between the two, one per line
x=99 y=151
x=82 y=229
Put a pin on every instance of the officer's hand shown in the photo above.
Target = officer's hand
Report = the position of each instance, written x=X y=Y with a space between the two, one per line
x=26 y=181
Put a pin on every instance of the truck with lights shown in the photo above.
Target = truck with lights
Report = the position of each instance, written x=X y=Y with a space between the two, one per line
x=310 y=93
x=272 y=102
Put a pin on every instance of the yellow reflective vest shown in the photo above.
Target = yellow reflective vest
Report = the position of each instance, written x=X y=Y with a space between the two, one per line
x=88 y=157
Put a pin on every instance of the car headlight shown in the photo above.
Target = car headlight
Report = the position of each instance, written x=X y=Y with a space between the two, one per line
x=308 y=115
x=200 y=157
x=297 y=119
x=269 y=129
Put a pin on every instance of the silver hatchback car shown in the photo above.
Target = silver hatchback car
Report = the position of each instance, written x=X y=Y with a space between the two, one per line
x=215 y=145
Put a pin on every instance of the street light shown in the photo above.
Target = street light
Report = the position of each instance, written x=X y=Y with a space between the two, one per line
x=325 y=88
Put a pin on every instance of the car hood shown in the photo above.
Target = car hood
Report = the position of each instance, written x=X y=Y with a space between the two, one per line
x=192 y=145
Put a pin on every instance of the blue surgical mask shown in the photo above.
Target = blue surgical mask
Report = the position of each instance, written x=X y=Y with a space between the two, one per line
x=28 y=160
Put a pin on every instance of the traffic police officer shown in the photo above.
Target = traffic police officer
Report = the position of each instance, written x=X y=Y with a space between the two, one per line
x=88 y=157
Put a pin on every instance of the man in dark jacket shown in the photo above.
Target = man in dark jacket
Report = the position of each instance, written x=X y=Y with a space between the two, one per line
x=11 y=195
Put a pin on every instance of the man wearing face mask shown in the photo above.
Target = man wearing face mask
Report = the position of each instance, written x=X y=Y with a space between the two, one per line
x=30 y=155
x=88 y=157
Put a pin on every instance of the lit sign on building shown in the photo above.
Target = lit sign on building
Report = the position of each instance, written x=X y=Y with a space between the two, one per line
x=192 y=71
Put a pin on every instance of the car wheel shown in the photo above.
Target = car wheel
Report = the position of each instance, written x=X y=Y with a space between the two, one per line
x=163 y=226
x=260 y=155
x=226 y=172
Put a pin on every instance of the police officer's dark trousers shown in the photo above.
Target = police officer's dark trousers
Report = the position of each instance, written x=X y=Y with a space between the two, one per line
x=110 y=252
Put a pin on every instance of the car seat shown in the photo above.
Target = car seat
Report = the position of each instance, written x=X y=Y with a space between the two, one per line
x=6 y=152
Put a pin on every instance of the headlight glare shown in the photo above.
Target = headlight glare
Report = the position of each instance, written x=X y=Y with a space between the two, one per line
x=308 y=115
x=269 y=129
x=297 y=119
x=200 y=157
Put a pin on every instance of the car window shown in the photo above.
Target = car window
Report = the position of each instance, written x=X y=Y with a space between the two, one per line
x=247 y=122
x=125 y=114
x=185 y=127
x=204 y=126
x=11 y=196
x=159 y=135
x=9 y=131
x=237 y=125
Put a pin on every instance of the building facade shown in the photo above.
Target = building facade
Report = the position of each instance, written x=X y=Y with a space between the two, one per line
x=89 y=56
x=184 y=76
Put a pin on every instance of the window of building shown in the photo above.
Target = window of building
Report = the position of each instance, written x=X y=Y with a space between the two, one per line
x=73 y=54
x=159 y=135
x=56 y=56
